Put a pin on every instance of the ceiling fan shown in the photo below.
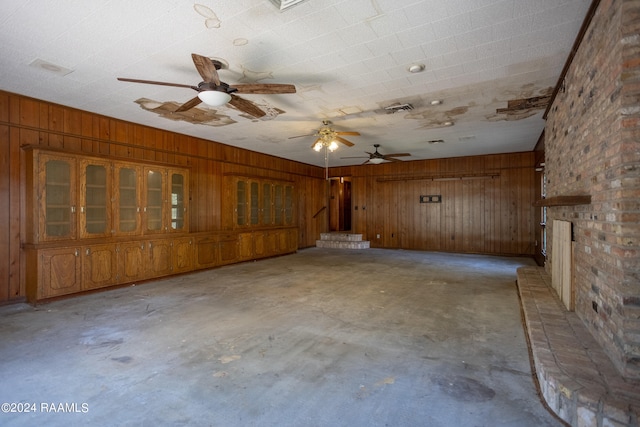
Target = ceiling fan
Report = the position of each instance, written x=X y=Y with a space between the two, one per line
x=377 y=157
x=214 y=92
x=328 y=137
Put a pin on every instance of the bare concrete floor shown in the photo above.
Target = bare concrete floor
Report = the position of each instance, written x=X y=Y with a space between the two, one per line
x=323 y=337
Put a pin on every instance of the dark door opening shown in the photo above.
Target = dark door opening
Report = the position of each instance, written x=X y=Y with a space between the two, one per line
x=340 y=204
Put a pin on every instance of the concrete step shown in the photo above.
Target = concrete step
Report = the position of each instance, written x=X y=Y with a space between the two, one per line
x=336 y=244
x=342 y=241
x=342 y=237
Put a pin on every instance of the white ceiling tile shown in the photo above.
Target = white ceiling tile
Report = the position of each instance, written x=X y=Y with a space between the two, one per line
x=425 y=12
x=389 y=43
x=355 y=35
x=440 y=47
x=388 y=24
x=416 y=36
x=490 y=15
x=451 y=27
x=475 y=37
x=350 y=54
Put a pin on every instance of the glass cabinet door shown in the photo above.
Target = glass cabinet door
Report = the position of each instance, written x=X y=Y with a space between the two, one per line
x=95 y=202
x=179 y=195
x=58 y=199
x=267 y=209
x=241 y=203
x=127 y=207
x=278 y=204
x=255 y=203
x=154 y=180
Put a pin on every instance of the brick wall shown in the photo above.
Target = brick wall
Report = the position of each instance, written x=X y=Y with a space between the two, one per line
x=592 y=146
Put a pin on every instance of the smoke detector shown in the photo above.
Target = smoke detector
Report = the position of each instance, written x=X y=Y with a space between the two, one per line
x=285 y=4
x=398 y=107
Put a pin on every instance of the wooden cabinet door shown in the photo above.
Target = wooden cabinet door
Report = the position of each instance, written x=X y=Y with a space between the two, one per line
x=132 y=261
x=56 y=177
x=245 y=245
x=159 y=258
x=278 y=204
x=271 y=242
x=241 y=209
x=155 y=211
x=182 y=254
x=229 y=249
x=99 y=266
x=95 y=198
x=60 y=272
x=178 y=184
x=267 y=203
x=127 y=198
x=207 y=252
x=260 y=247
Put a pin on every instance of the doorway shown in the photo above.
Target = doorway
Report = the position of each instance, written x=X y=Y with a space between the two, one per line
x=340 y=204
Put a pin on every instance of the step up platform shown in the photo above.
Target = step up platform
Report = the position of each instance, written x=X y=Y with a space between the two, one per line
x=338 y=240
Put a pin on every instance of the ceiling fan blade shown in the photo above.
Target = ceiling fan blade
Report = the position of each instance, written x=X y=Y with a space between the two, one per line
x=246 y=106
x=206 y=68
x=344 y=141
x=300 y=136
x=188 y=105
x=396 y=155
x=151 y=82
x=348 y=133
x=391 y=159
x=264 y=88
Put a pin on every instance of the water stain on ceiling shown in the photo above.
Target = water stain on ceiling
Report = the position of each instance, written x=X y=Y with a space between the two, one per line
x=202 y=116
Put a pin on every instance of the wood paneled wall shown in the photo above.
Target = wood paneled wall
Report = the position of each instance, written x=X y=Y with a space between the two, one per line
x=486 y=204
x=30 y=122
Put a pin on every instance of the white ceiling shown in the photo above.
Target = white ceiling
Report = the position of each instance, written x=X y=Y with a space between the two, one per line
x=347 y=58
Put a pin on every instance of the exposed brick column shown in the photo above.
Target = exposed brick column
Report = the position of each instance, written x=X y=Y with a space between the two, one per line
x=593 y=148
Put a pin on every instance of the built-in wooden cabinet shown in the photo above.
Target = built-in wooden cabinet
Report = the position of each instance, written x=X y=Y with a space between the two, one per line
x=54 y=201
x=95 y=203
x=97 y=222
x=259 y=203
x=78 y=197
x=58 y=272
x=132 y=265
x=127 y=198
x=99 y=266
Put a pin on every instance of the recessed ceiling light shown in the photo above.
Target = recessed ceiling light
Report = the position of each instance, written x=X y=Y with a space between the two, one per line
x=436 y=102
x=448 y=123
x=416 y=68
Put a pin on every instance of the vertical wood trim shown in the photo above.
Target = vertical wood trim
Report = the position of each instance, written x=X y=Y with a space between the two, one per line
x=5 y=200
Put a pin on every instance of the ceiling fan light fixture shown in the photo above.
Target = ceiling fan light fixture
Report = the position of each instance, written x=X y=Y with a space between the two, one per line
x=318 y=146
x=214 y=98
x=376 y=160
x=333 y=146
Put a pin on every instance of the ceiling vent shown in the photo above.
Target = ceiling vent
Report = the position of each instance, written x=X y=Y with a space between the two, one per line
x=285 y=4
x=398 y=107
